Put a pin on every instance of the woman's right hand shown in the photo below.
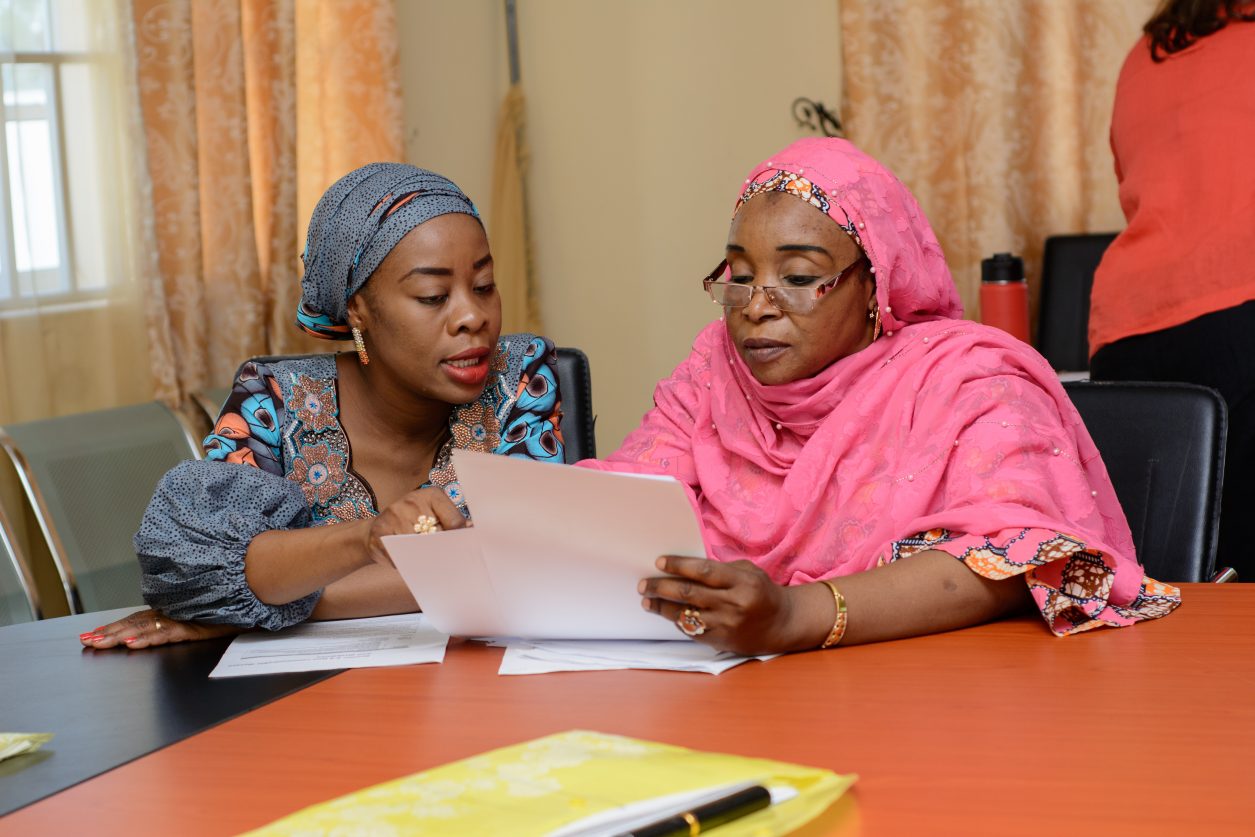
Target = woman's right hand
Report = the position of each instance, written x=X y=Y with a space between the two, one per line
x=147 y=628
x=400 y=517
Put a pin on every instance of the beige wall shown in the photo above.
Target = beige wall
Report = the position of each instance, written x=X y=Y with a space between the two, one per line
x=643 y=117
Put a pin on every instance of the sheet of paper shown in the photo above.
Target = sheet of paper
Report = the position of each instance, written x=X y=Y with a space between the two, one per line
x=403 y=640
x=555 y=553
x=544 y=656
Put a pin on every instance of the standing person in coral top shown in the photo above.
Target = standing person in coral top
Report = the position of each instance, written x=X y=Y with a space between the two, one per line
x=1174 y=297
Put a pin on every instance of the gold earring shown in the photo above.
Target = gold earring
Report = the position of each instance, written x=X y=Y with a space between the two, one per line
x=361 y=346
x=874 y=314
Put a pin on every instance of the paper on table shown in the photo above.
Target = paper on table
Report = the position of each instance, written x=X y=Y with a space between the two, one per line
x=402 y=640
x=15 y=743
x=556 y=552
x=541 y=657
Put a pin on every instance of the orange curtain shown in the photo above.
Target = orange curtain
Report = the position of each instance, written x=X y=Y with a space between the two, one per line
x=251 y=109
x=995 y=114
x=507 y=226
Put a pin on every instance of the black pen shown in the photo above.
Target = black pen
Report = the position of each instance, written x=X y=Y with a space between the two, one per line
x=705 y=817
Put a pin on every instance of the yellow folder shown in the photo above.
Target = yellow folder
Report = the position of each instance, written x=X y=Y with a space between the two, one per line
x=543 y=785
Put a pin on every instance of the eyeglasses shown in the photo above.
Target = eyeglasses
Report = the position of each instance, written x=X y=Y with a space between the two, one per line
x=797 y=300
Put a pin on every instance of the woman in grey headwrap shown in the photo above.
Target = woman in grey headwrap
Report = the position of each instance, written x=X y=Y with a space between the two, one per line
x=313 y=460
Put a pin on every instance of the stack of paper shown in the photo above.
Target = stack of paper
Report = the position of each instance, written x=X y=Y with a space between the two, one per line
x=540 y=657
x=565 y=566
x=402 y=640
x=568 y=782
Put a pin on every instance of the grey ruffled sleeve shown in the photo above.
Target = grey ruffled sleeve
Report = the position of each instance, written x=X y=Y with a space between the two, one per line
x=193 y=537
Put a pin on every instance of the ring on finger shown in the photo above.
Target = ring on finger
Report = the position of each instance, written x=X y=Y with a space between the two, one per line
x=157 y=623
x=426 y=524
x=690 y=622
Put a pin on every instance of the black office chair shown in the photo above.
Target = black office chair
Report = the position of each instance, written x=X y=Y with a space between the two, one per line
x=1163 y=445
x=575 y=383
x=1067 y=275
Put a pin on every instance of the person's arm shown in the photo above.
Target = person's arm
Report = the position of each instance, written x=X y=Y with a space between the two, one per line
x=282 y=567
x=746 y=612
x=374 y=590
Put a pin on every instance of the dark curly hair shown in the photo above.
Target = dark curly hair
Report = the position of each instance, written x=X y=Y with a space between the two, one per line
x=1179 y=23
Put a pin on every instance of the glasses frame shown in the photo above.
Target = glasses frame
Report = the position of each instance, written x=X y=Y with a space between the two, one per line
x=822 y=288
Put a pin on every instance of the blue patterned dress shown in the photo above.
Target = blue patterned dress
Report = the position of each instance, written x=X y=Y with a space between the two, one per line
x=279 y=458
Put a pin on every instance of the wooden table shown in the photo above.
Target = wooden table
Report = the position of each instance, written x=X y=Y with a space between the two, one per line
x=1000 y=729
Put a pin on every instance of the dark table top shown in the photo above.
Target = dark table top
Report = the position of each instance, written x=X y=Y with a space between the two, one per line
x=109 y=707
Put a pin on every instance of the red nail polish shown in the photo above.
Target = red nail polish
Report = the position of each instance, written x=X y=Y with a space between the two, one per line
x=128 y=639
x=87 y=635
x=98 y=629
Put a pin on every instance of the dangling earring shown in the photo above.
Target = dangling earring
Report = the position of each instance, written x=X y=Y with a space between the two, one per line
x=874 y=314
x=361 y=346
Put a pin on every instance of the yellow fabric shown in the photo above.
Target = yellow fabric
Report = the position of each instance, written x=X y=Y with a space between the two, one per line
x=995 y=114
x=541 y=785
x=251 y=109
x=507 y=226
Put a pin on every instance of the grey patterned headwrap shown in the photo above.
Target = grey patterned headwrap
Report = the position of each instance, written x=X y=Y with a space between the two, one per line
x=355 y=225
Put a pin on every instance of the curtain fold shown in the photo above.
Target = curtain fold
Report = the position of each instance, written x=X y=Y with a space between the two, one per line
x=995 y=114
x=508 y=228
x=251 y=109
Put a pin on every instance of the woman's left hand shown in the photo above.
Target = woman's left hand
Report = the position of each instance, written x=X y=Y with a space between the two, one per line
x=743 y=610
x=148 y=628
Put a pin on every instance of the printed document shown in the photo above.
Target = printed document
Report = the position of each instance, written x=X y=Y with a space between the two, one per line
x=401 y=640
x=555 y=552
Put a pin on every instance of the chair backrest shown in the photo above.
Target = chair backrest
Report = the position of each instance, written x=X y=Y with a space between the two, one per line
x=575 y=383
x=18 y=600
x=1067 y=275
x=1163 y=445
x=89 y=478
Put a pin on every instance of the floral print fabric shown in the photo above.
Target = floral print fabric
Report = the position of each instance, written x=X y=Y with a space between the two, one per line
x=284 y=418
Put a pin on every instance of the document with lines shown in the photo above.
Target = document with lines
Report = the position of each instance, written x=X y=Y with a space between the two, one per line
x=555 y=553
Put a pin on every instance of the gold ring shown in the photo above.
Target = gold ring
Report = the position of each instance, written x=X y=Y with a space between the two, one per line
x=157 y=624
x=426 y=524
x=690 y=622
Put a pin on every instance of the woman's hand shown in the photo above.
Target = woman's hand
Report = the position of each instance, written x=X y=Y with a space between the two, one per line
x=744 y=611
x=148 y=627
x=400 y=517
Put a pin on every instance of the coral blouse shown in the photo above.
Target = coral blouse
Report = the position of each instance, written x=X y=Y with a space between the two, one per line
x=1182 y=134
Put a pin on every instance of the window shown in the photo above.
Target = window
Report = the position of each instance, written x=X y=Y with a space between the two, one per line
x=52 y=236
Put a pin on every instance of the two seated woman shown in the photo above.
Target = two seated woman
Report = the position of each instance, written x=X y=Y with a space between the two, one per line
x=866 y=464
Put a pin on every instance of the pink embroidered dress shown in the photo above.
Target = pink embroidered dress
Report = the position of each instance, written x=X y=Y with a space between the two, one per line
x=943 y=434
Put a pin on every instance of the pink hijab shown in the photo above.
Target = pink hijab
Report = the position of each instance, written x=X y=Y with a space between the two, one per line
x=942 y=434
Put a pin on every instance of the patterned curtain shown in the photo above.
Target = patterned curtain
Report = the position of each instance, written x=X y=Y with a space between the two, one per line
x=995 y=114
x=251 y=109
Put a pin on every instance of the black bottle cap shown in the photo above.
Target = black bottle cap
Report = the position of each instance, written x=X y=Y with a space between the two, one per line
x=1002 y=267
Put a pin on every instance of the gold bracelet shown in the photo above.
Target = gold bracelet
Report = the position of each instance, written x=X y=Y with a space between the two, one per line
x=838 y=624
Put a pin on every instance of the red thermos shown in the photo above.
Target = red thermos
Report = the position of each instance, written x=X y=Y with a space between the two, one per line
x=1004 y=294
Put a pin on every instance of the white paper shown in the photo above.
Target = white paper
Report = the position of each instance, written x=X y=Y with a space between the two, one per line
x=401 y=640
x=555 y=553
x=544 y=656
x=648 y=811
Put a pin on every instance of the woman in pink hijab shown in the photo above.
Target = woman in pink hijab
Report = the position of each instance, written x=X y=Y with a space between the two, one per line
x=866 y=465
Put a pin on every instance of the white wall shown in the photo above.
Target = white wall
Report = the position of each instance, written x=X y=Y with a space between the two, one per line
x=643 y=118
